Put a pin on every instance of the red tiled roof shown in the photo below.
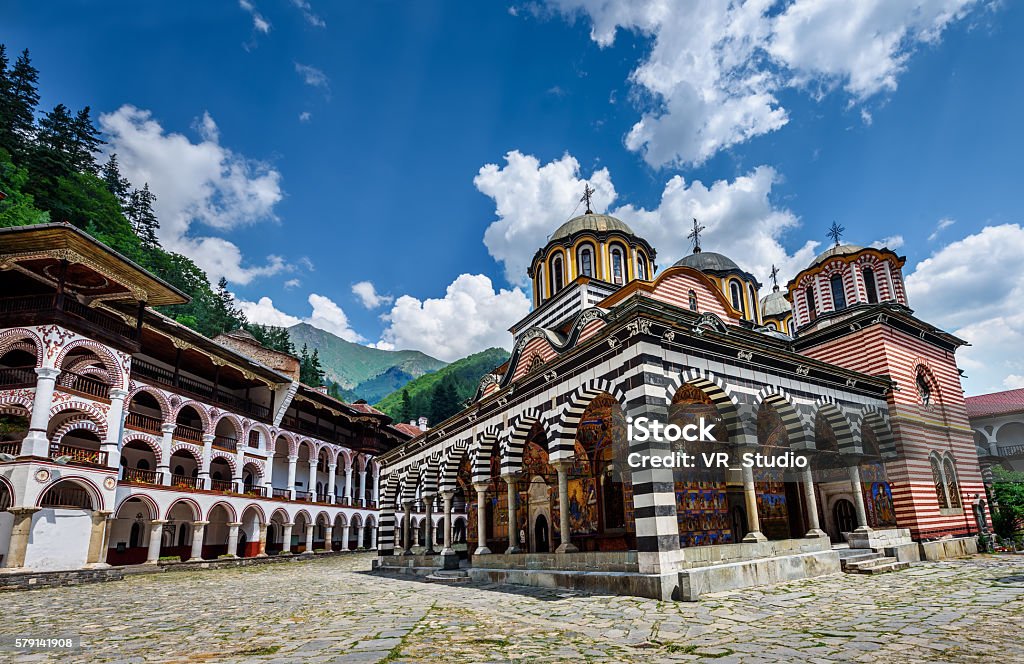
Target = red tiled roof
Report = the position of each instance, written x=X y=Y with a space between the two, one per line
x=997 y=403
x=365 y=408
x=408 y=429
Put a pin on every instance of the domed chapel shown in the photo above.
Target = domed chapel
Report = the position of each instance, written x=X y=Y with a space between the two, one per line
x=533 y=481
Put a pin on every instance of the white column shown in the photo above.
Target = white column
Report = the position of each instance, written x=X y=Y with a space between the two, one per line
x=312 y=480
x=362 y=488
x=287 y=536
x=329 y=538
x=481 y=519
x=750 y=494
x=268 y=475
x=344 y=536
x=263 y=540
x=233 y=539
x=204 y=470
x=814 y=528
x=376 y=488
x=36 y=442
x=166 y=442
x=309 y=537
x=292 y=459
x=428 y=502
x=565 y=535
x=858 y=498
x=406 y=530
x=156 y=532
x=513 y=528
x=348 y=485
x=115 y=427
x=373 y=537
x=238 y=478
x=359 y=535
x=198 y=531
x=331 y=469
x=447 y=550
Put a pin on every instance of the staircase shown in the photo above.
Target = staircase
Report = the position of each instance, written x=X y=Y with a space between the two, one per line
x=867 y=561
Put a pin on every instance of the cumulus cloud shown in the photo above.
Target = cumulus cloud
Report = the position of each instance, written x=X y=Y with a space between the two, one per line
x=893 y=242
x=470 y=317
x=325 y=314
x=969 y=288
x=368 y=295
x=714 y=69
x=200 y=182
x=531 y=200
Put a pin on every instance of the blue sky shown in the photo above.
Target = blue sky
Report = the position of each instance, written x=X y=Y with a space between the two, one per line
x=301 y=148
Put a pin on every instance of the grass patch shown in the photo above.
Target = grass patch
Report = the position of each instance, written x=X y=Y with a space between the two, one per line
x=253 y=652
x=499 y=643
x=677 y=649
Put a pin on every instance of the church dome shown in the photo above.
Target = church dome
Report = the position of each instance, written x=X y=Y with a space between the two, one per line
x=775 y=304
x=597 y=223
x=708 y=260
x=835 y=250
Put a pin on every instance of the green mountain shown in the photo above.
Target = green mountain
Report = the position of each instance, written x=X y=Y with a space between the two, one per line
x=362 y=372
x=441 y=394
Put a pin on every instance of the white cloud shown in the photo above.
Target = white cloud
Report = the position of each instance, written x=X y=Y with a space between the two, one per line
x=532 y=200
x=470 y=317
x=305 y=116
x=971 y=288
x=259 y=23
x=368 y=295
x=714 y=69
x=893 y=242
x=943 y=224
x=325 y=315
x=307 y=13
x=1013 y=382
x=292 y=283
x=312 y=76
x=202 y=182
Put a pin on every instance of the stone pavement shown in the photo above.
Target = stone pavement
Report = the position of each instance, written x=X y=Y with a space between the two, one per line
x=331 y=610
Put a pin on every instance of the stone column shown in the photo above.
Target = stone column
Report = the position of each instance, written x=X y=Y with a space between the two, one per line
x=447 y=550
x=198 y=532
x=329 y=538
x=287 y=536
x=362 y=488
x=115 y=426
x=20 y=531
x=263 y=540
x=345 y=531
x=156 y=532
x=750 y=494
x=233 y=539
x=376 y=489
x=858 y=498
x=166 y=443
x=513 y=527
x=238 y=479
x=359 y=536
x=348 y=485
x=292 y=459
x=309 y=537
x=312 y=480
x=481 y=519
x=331 y=469
x=97 y=538
x=268 y=476
x=373 y=537
x=565 y=534
x=204 y=470
x=428 y=502
x=406 y=527
x=812 y=504
x=36 y=443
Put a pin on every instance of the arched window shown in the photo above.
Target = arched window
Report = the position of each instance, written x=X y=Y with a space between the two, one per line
x=693 y=300
x=557 y=275
x=753 y=302
x=924 y=390
x=812 y=308
x=736 y=292
x=792 y=331
x=771 y=325
x=952 y=486
x=618 y=266
x=870 y=285
x=838 y=293
x=585 y=258
x=641 y=267
x=940 y=485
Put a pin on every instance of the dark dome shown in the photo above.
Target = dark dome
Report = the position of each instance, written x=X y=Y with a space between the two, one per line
x=708 y=260
x=598 y=223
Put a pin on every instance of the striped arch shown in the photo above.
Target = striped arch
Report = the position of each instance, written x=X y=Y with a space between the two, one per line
x=410 y=483
x=428 y=475
x=305 y=514
x=878 y=420
x=448 y=472
x=76 y=424
x=389 y=491
x=231 y=459
x=232 y=514
x=95 y=495
x=799 y=433
x=265 y=440
x=282 y=513
x=514 y=439
x=721 y=396
x=563 y=443
x=11 y=338
x=310 y=444
x=342 y=455
x=93 y=412
x=257 y=509
x=161 y=399
x=19 y=398
x=340 y=516
x=8 y=488
x=114 y=369
x=195 y=451
x=152 y=443
x=289 y=440
x=193 y=505
x=846 y=436
x=480 y=453
x=145 y=499
x=322 y=517
x=204 y=414
x=235 y=422
x=258 y=464
x=356 y=521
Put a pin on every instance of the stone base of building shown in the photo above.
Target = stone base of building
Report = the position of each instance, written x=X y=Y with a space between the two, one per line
x=758 y=572
x=956 y=547
x=30 y=580
x=878 y=539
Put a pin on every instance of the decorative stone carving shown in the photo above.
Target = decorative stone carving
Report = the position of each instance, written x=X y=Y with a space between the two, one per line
x=745 y=355
x=803 y=370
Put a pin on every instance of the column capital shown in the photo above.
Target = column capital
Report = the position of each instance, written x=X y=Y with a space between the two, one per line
x=23 y=511
x=158 y=522
x=481 y=487
x=510 y=477
x=208 y=438
x=448 y=495
x=290 y=524
x=563 y=464
x=118 y=393
x=47 y=372
x=168 y=427
x=293 y=458
x=234 y=524
x=333 y=466
x=427 y=496
x=200 y=524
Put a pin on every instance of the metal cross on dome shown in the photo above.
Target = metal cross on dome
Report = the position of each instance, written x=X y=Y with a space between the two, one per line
x=695 y=236
x=836 y=232
x=775 y=277
x=588 y=192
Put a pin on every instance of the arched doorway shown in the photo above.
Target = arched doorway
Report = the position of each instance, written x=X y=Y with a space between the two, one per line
x=130 y=532
x=63 y=528
x=541 y=535
x=844 y=516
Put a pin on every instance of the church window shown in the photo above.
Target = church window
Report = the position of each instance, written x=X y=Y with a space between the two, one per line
x=737 y=296
x=693 y=300
x=924 y=390
x=838 y=294
x=557 y=275
x=940 y=485
x=617 y=266
x=952 y=486
x=586 y=261
x=870 y=285
x=812 y=308
x=753 y=302
x=792 y=331
x=641 y=267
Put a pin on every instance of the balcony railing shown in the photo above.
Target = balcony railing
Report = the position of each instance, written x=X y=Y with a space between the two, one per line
x=188 y=433
x=225 y=443
x=14 y=449
x=260 y=491
x=140 y=476
x=198 y=389
x=279 y=493
x=84 y=385
x=17 y=377
x=143 y=422
x=185 y=481
x=222 y=485
x=64 y=307
x=303 y=495
x=79 y=455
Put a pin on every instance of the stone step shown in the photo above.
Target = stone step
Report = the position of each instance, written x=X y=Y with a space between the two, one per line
x=872 y=561
x=881 y=568
x=845 y=551
x=449 y=576
x=859 y=560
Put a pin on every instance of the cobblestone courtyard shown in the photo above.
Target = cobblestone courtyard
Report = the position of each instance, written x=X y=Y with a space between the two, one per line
x=331 y=610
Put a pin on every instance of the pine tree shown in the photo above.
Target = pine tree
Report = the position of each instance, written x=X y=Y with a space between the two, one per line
x=19 y=104
x=406 y=408
x=85 y=144
x=116 y=183
x=145 y=224
x=6 y=138
x=228 y=317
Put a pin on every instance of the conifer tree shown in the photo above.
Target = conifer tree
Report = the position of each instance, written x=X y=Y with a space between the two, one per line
x=18 y=104
x=143 y=219
x=116 y=183
x=85 y=143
